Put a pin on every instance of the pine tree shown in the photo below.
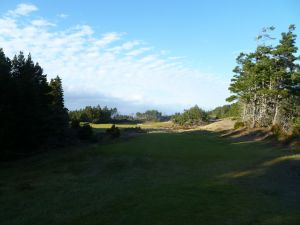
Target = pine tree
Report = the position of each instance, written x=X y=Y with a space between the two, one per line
x=32 y=111
x=33 y=102
x=286 y=79
x=7 y=98
x=59 y=116
x=267 y=83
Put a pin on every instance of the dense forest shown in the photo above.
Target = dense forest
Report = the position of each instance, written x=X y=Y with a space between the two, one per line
x=266 y=82
x=32 y=109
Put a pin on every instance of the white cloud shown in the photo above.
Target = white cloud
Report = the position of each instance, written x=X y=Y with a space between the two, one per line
x=109 y=69
x=125 y=46
x=108 y=38
x=138 y=51
x=23 y=10
x=41 y=22
x=63 y=15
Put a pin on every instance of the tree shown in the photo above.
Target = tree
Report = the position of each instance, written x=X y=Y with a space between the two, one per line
x=31 y=111
x=190 y=117
x=225 y=111
x=93 y=114
x=7 y=97
x=33 y=103
x=60 y=116
x=266 y=83
x=149 y=115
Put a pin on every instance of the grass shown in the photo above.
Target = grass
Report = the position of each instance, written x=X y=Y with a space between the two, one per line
x=147 y=125
x=157 y=178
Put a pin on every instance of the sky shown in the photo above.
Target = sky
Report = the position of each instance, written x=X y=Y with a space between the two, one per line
x=137 y=55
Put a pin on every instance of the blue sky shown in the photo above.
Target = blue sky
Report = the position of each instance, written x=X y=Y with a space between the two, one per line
x=137 y=55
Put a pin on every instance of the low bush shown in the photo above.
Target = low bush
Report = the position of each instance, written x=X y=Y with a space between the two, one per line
x=75 y=124
x=295 y=127
x=134 y=129
x=85 y=132
x=279 y=133
x=239 y=124
x=114 y=131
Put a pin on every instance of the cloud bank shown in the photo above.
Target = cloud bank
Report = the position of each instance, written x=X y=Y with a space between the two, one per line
x=108 y=69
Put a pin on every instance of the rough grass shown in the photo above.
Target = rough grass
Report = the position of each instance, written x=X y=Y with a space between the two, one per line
x=158 y=178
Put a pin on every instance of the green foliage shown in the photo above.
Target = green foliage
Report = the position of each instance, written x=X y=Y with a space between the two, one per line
x=93 y=114
x=238 y=125
x=279 y=132
x=190 y=117
x=114 y=131
x=59 y=114
x=123 y=119
x=225 y=111
x=266 y=83
x=295 y=126
x=149 y=115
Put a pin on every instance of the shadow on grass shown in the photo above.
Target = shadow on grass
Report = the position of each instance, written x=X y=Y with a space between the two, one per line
x=194 y=177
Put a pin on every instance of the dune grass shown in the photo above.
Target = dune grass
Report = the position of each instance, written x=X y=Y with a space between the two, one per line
x=159 y=178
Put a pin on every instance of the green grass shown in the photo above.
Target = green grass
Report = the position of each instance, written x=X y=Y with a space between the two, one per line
x=178 y=178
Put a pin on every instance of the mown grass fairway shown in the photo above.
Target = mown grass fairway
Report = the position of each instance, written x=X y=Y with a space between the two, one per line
x=154 y=179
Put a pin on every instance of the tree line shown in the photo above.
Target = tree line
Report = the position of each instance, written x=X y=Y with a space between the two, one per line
x=225 y=111
x=149 y=115
x=266 y=82
x=32 y=110
x=94 y=114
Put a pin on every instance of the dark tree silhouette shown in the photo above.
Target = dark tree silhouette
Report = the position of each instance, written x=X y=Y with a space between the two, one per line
x=32 y=111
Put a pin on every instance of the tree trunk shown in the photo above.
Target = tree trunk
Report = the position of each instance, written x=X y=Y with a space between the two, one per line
x=254 y=109
x=275 y=118
x=253 y=115
x=244 y=112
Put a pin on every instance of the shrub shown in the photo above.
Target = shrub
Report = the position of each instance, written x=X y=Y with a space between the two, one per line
x=136 y=129
x=278 y=131
x=85 y=132
x=239 y=124
x=75 y=124
x=191 y=117
x=295 y=126
x=114 y=131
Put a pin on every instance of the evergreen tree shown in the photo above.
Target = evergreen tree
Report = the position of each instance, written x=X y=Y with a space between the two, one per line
x=267 y=83
x=191 y=117
x=32 y=111
x=59 y=114
x=33 y=102
x=7 y=98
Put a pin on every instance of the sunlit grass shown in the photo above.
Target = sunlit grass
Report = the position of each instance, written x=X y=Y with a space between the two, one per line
x=108 y=125
x=146 y=125
x=261 y=168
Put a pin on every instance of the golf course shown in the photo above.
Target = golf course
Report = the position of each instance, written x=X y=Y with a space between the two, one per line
x=191 y=177
x=149 y=112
